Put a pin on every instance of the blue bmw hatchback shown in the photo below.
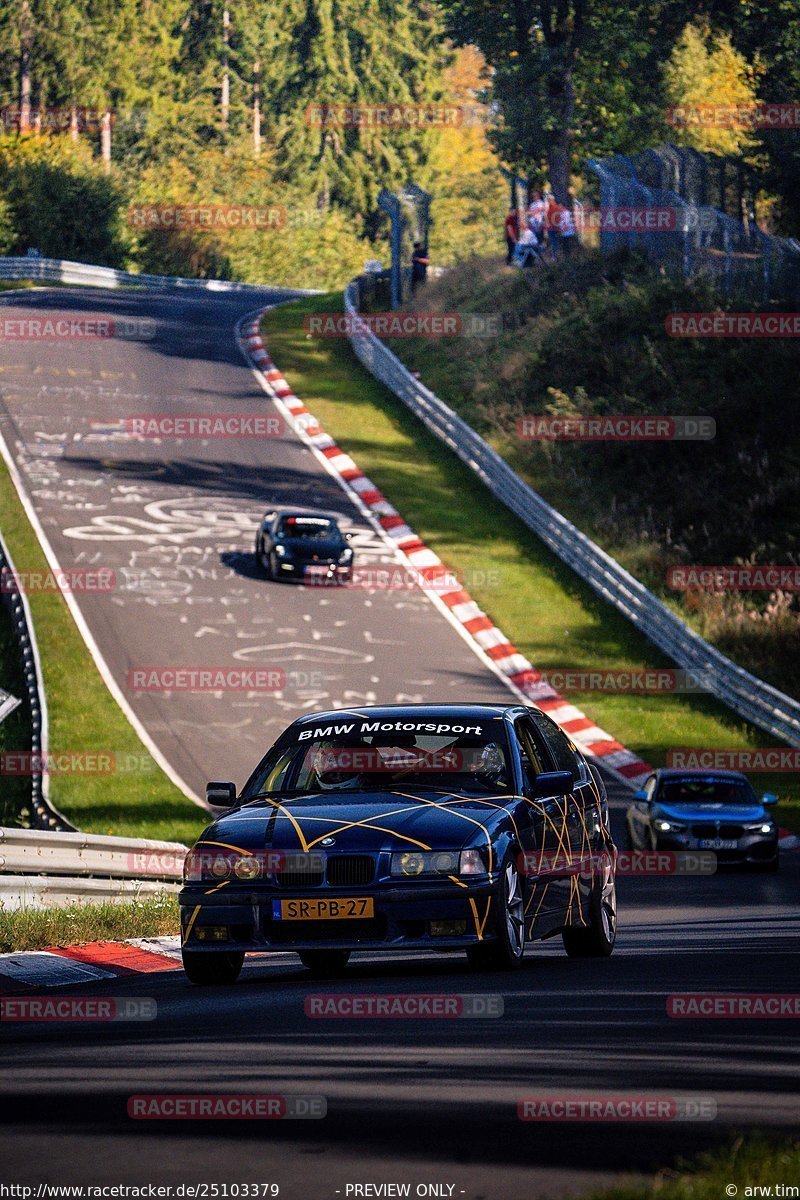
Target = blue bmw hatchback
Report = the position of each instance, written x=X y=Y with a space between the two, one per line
x=704 y=810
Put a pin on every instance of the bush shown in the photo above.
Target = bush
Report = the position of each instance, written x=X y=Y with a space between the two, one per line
x=59 y=199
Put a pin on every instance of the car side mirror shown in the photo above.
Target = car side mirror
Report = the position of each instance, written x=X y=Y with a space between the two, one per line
x=769 y=798
x=220 y=795
x=641 y=795
x=552 y=783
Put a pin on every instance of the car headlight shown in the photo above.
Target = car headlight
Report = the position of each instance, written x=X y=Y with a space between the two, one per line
x=669 y=827
x=758 y=827
x=346 y=555
x=280 y=550
x=411 y=864
x=209 y=866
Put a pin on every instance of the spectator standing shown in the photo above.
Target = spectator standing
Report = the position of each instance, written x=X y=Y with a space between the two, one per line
x=419 y=266
x=554 y=219
x=537 y=214
x=568 y=231
x=512 y=234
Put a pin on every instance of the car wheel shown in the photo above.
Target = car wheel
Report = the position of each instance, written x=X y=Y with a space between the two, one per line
x=325 y=963
x=508 y=948
x=213 y=966
x=597 y=938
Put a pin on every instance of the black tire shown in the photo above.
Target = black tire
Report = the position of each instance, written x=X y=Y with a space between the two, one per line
x=507 y=950
x=212 y=967
x=597 y=938
x=772 y=866
x=262 y=561
x=324 y=963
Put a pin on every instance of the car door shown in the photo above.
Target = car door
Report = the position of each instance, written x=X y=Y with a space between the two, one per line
x=581 y=805
x=547 y=858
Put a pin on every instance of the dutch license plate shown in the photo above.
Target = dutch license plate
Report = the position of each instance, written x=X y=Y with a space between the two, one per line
x=718 y=844
x=347 y=909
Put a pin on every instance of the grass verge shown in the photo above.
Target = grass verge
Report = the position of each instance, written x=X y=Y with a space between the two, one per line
x=16 y=730
x=749 y=1163
x=543 y=607
x=141 y=802
x=36 y=929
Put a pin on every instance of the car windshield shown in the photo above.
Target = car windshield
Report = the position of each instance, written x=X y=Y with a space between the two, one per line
x=707 y=791
x=385 y=760
x=306 y=527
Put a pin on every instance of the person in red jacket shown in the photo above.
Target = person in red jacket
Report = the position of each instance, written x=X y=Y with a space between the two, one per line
x=512 y=234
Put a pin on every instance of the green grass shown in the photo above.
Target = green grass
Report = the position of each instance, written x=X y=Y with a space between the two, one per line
x=36 y=929
x=85 y=717
x=747 y=1163
x=542 y=606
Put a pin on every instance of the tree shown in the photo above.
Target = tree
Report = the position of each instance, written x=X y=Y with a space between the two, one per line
x=703 y=71
x=345 y=53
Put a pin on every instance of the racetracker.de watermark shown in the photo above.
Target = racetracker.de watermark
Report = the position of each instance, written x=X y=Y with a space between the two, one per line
x=403 y=325
x=397 y=578
x=734 y=1005
x=624 y=862
x=74 y=579
x=229 y=1107
x=624 y=428
x=617 y=1108
x=734 y=578
x=76 y=329
x=58 y=119
x=209 y=217
x=207 y=679
x=648 y=681
x=421 y=1006
x=777 y=758
x=658 y=218
x=77 y=1009
x=76 y=762
x=199 y=425
x=734 y=116
x=733 y=325
x=394 y=115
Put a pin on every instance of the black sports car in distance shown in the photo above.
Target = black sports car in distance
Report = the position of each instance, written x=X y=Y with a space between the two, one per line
x=704 y=810
x=424 y=827
x=305 y=546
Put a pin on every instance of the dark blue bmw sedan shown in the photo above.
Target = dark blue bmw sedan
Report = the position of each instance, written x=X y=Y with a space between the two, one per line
x=425 y=827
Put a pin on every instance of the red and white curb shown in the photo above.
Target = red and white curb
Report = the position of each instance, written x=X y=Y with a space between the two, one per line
x=489 y=641
x=62 y=966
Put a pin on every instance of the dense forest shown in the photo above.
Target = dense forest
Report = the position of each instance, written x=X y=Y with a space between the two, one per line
x=115 y=107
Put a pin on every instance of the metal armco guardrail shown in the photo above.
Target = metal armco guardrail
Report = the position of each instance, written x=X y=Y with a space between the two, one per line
x=52 y=270
x=747 y=695
x=45 y=814
x=40 y=869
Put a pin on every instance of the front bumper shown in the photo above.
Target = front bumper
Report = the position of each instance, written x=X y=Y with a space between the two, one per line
x=319 y=573
x=402 y=919
x=754 y=849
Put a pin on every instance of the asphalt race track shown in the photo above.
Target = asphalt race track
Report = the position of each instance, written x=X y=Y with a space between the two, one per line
x=175 y=521
x=430 y=1101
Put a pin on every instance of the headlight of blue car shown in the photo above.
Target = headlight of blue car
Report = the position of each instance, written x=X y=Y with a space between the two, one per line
x=414 y=864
